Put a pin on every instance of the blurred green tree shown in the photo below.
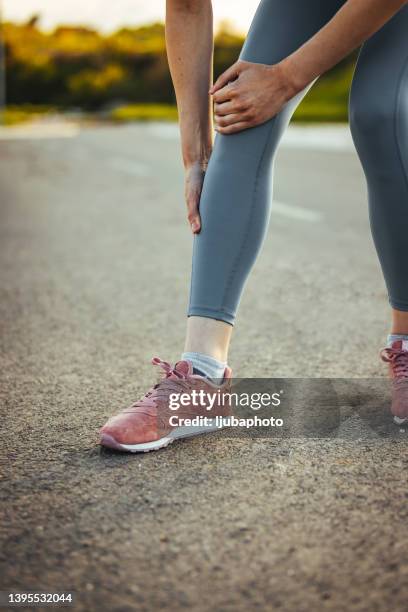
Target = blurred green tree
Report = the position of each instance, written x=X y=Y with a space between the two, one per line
x=78 y=66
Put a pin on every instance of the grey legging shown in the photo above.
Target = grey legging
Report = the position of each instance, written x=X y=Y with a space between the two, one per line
x=237 y=191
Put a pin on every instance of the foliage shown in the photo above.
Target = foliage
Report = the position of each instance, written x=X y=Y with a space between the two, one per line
x=80 y=67
x=145 y=112
x=14 y=115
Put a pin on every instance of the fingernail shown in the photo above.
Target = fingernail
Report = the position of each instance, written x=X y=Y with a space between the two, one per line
x=194 y=227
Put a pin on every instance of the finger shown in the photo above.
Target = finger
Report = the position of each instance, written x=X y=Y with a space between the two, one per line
x=234 y=127
x=226 y=120
x=193 y=216
x=228 y=75
x=224 y=108
x=225 y=94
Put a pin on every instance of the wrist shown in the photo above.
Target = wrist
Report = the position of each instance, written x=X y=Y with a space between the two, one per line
x=196 y=135
x=196 y=163
x=197 y=158
x=292 y=76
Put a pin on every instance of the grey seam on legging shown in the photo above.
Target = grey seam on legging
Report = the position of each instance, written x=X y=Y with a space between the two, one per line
x=203 y=310
x=397 y=116
x=250 y=216
x=397 y=304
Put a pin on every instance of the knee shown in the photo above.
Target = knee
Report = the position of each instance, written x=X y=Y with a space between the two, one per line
x=370 y=118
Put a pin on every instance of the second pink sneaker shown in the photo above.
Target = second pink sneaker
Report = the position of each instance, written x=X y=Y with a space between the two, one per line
x=182 y=404
x=397 y=357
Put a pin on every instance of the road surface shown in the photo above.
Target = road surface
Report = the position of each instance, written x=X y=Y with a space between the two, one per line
x=95 y=254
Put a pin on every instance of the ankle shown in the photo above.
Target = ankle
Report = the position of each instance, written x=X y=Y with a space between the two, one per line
x=393 y=337
x=399 y=323
x=208 y=337
x=206 y=365
x=219 y=353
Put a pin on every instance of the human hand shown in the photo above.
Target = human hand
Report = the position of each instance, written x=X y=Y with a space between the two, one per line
x=194 y=178
x=248 y=94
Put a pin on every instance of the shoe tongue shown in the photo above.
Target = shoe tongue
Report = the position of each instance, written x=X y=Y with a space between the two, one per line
x=184 y=367
x=401 y=345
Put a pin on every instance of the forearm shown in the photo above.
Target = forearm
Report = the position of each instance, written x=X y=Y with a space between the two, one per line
x=189 y=42
x=356 y=21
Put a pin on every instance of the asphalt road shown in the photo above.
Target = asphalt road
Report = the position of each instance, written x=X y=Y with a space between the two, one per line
x=95 y=257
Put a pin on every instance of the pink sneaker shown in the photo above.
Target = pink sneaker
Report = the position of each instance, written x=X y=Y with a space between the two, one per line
x=397 y=357
x=155 y=420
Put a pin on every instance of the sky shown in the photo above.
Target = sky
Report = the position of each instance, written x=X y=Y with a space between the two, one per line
x=107 y=15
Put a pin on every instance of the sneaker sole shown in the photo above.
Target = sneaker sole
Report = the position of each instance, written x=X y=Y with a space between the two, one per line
x=176 y=434
x=400 y=421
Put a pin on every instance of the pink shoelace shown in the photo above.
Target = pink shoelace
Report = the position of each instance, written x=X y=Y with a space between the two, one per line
x=398 y=360
x=173 y=381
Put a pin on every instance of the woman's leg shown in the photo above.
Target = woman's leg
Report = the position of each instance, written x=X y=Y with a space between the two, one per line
x=399 y=322
x=379 y=123
x=234 y=206
x=237 y=191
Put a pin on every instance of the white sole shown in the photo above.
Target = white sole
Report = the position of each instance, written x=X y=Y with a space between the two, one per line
x=400 y=421
x=176 y=434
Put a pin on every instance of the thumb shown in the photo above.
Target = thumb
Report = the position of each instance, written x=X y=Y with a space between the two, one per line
x=228 y=75
x=193 y=214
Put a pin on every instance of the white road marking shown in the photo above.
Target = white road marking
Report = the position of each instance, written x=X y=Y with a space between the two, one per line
x=39 y=131
x=296 y=212
x=129 y=166
x=324 y=137
x=318 y=137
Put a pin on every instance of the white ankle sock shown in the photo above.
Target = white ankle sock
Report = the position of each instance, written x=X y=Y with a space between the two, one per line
x=392 y=337
x=208 y=366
